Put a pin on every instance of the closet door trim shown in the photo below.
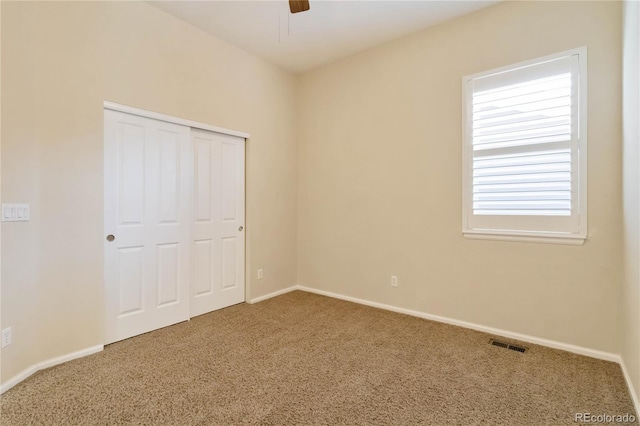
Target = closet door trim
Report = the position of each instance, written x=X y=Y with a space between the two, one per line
x=175 y=120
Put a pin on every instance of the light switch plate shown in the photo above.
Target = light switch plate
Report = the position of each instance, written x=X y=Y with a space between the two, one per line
x=6 y=337
x=15 y=213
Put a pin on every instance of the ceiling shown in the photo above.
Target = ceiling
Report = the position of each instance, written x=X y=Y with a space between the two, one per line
x=331 y=30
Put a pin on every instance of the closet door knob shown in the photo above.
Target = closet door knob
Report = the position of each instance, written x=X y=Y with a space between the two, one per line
x=240 y=228
x=110 y=237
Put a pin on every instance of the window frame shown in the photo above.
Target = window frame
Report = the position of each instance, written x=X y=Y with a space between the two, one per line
x=553 y=237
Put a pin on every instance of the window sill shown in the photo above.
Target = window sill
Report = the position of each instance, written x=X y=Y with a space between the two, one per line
x=543 y=238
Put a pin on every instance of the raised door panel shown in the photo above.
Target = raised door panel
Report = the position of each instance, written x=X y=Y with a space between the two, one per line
x=202 y=283
x=168 y=281
x=169 y=177
x=130 y=281
x=203 y=182
x=229 y=263
x=130 y=169
x=229 y=187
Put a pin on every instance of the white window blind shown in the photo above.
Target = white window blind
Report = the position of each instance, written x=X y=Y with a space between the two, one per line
x=524 y=140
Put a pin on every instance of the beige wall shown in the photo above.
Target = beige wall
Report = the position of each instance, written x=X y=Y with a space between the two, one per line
x=631 y=194
x=21 y=156
x=60 y=62
x=379 y=179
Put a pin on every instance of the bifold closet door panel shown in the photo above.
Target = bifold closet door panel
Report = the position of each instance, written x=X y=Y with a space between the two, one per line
x=217 y=229
x=147 y=224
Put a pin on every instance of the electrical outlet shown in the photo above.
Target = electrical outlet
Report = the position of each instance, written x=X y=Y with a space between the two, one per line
x=394 y=281
x=260 y=274
x=6 y=337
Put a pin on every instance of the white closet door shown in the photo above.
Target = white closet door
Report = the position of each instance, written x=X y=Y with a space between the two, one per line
x=218 y=222
x=147 y=204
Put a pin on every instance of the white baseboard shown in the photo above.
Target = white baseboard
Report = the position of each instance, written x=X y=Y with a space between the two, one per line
x=632 y=391
x=46 y=364
x=607 y=356
x=274 y=294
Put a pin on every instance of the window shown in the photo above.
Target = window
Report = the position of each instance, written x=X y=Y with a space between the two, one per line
x=524 y=151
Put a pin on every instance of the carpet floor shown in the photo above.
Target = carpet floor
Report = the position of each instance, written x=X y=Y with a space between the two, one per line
x=302 y=359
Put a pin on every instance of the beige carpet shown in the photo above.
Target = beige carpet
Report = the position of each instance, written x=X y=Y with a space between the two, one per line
x=305 y=359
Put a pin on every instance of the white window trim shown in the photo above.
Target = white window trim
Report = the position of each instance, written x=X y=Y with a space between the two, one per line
x=467 y=153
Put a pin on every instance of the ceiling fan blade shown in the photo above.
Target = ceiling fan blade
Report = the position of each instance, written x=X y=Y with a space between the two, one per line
x=298 y=5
